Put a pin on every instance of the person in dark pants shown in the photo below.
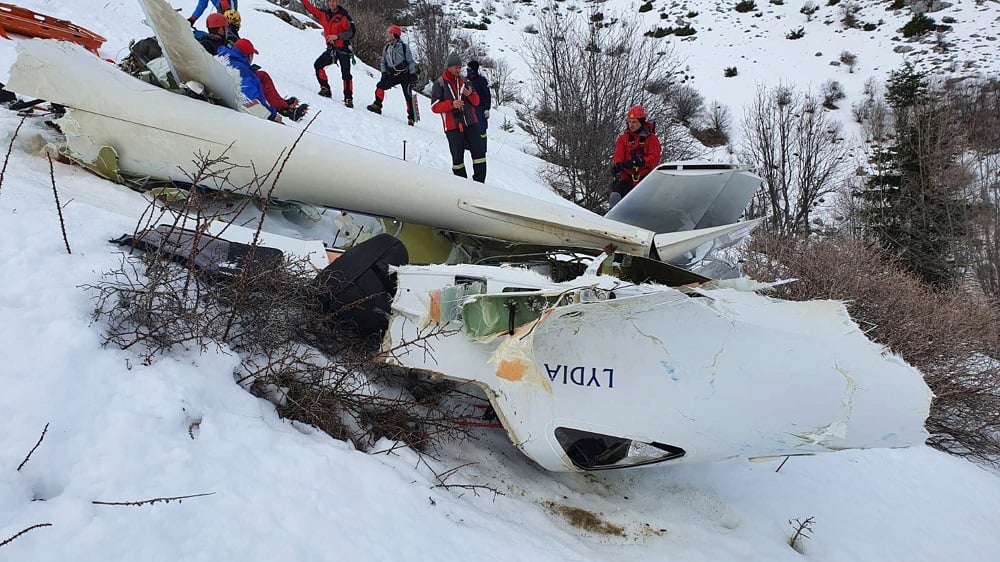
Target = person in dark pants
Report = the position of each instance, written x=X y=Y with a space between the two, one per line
x=637 y=152
x=456 y=102
x=482 y=87
x=397 y=67
x=338 y=30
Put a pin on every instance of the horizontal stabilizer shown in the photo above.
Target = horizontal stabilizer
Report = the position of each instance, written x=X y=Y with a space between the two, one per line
x=673 y=245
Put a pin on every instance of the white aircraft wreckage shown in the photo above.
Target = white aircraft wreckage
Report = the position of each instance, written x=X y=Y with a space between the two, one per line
x=591 y=360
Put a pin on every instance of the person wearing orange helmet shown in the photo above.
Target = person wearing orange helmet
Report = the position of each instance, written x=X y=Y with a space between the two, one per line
x=637 y=152
x=218 y=33
x=398 y=67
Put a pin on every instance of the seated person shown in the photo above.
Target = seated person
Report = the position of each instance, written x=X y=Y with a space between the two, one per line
x=240 y=56
x=218 y=34
x=289 y=107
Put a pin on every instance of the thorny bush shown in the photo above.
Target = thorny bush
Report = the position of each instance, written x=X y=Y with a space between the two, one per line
x=312 y=367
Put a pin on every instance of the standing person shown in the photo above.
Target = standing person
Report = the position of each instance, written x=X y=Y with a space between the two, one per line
x=456 y=101
x=218 y=33
x=398 y=67
x=220 y=6
x=240 y=56
x=637 y=152
x=482 y=87
x=338 y=30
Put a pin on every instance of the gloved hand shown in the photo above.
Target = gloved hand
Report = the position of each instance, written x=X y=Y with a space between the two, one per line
x=191 y=20
x=343 y=36
x=486 y=114
x=413 y=78
x=617 y=168
x=638 y=162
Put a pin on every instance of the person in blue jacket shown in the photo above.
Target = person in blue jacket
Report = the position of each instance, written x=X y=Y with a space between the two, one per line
x=221 y=6
x=482 y=87
x=240 y=56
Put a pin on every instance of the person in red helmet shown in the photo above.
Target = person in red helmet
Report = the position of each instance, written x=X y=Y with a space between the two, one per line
x=218 y=33
x=637 y=152
x=398 y=67
x=338 y=30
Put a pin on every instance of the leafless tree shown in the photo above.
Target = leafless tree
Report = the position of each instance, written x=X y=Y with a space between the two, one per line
x=977 y=105
x=586 y=75
x=799 y=153
x=501 y=77
x=432 y=40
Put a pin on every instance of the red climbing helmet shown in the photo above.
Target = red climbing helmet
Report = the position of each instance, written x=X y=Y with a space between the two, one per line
x=636 y=112
x=216 y=20
x=395 y=30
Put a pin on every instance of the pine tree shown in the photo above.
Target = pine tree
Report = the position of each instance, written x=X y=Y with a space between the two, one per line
x=913 y=203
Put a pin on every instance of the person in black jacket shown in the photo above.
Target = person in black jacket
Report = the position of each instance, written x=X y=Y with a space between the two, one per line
x=482 y=87
x=218 y=33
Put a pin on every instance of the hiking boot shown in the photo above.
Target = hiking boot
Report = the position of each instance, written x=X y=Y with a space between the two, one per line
x=349 y=102
x=374 y=108
x=409 y=122
x=325 y=92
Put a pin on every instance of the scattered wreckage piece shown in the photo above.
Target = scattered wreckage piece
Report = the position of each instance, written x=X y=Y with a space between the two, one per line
x=596 y=373
x=22 y=21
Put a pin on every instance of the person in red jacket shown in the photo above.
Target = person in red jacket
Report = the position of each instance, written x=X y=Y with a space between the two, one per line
x=637 y=152
x=456 y=102
x=338 y=30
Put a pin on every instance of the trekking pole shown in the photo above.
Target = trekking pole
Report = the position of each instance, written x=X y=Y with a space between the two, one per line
x=404 y=150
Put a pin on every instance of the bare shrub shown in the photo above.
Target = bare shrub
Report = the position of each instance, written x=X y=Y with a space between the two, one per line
x=716 y=128
x=832 y=92
x=849 y=15
x=371 y=21
x=269 y=313
x=686 y=104
x=953 y=339
x=808 y=9
x=849 y=60
x=797 y=150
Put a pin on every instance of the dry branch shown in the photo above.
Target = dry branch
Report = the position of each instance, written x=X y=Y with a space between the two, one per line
x=152 y=500
x=42 y=436
x=55 y=194
x=10 y=148
x=8 y=541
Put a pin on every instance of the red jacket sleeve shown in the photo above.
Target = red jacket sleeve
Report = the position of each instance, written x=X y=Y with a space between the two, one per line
x=653 y=152
x=316 y=13
x=473 y=98
x=619 y=150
